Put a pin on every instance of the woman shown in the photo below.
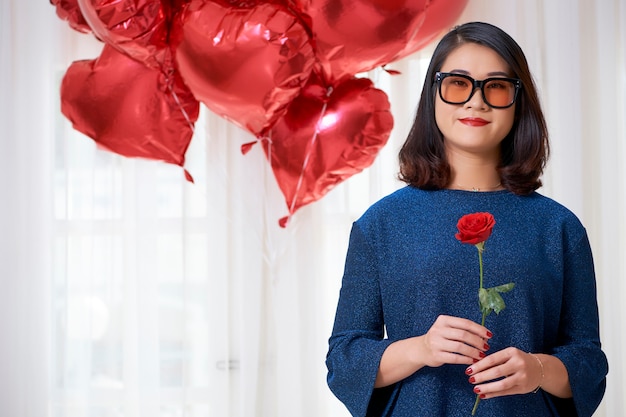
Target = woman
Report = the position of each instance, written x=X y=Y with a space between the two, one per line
x=406 y=339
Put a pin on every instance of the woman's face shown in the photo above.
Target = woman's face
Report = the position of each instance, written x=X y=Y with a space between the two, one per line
x=474 y=127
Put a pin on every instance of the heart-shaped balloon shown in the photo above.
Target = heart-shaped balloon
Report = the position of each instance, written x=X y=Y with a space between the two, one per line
x=353 y=36
x=129 y=108
x=138 y=28
x=244 y=64
x=326 y=136
x=69 y=10
x=439 y=16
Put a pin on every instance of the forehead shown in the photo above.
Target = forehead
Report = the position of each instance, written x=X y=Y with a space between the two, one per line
x=475 y=60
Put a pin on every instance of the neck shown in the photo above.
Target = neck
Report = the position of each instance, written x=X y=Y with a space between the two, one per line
x=474 y=172
x=486 y=180
x=455 y=186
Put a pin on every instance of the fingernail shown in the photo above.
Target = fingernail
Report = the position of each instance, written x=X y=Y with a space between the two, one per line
x=477 y=390
x=474 y=360
x=483 y=396
x=486 y=347
x=489 y=334
x=469 y=371
x=481 y=354
x=472 y=379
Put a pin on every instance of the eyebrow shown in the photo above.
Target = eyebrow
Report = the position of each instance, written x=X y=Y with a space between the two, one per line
x=490 y=74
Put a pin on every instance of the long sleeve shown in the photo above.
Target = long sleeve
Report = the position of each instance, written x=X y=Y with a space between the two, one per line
x=578 y=340
x=357 y=344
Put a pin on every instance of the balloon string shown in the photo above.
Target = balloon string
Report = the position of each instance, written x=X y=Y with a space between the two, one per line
x=180 y=106
x=309 y=152
x=169 y=81
x=268 y=140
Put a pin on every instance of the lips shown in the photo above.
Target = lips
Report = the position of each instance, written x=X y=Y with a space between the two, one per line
x=474 y=121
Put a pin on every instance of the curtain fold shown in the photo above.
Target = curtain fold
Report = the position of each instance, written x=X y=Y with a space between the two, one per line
x=127 y=291
x=25 y=210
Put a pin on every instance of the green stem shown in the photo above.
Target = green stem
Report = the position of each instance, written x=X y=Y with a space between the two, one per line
x=476 y=404
x=480 y=263
x=482 y=323
x=478 y=395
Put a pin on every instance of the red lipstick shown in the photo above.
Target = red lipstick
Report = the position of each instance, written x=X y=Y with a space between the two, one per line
x=474 y=121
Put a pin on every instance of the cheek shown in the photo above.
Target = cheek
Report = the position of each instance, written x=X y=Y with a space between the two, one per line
x=507 y=122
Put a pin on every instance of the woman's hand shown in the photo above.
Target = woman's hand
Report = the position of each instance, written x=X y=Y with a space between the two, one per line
x=509 y=371
x=449 y=340
x=455 y=340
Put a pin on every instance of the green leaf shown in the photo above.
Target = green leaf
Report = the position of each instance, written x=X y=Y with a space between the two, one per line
x=483 y=301
x=491 y=300
x=505 y=287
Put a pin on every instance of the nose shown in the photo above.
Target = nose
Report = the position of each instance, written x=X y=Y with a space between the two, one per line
x=476 y=100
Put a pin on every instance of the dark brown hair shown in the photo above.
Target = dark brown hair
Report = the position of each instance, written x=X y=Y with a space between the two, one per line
x=525 y=149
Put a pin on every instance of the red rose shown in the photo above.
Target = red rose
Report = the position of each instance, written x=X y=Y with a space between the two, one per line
x=475 y=227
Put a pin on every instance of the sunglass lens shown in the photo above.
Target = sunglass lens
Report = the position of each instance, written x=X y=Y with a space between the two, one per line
x=499 y=93
x=455 y=89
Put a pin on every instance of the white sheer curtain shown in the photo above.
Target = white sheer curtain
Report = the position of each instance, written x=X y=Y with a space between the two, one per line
x=25 y=219
x=126 y=291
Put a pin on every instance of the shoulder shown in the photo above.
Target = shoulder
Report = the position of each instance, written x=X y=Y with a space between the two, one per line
x=395 y=201
x=551 y=210
x=392 y=206
x=403 y=213
x=553 y=216
x=388 y=212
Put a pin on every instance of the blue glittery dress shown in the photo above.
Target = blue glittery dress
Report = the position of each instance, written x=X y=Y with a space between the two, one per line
x=404 y=268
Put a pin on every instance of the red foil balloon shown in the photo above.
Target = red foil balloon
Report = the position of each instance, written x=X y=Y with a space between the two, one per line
x=69 y=11
x=353 y=36
x=326 y=136
x=138 y=28
x=440 y=16
x=244 y=64
x=129 y=108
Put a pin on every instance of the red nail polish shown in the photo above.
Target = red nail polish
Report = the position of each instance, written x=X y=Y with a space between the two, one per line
x=477 y=390
x=489 y=334
x=483 y=396
x=472 y=379
x=469 y=371
x=474 y=360
x=481 y=354
x=486 y=347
